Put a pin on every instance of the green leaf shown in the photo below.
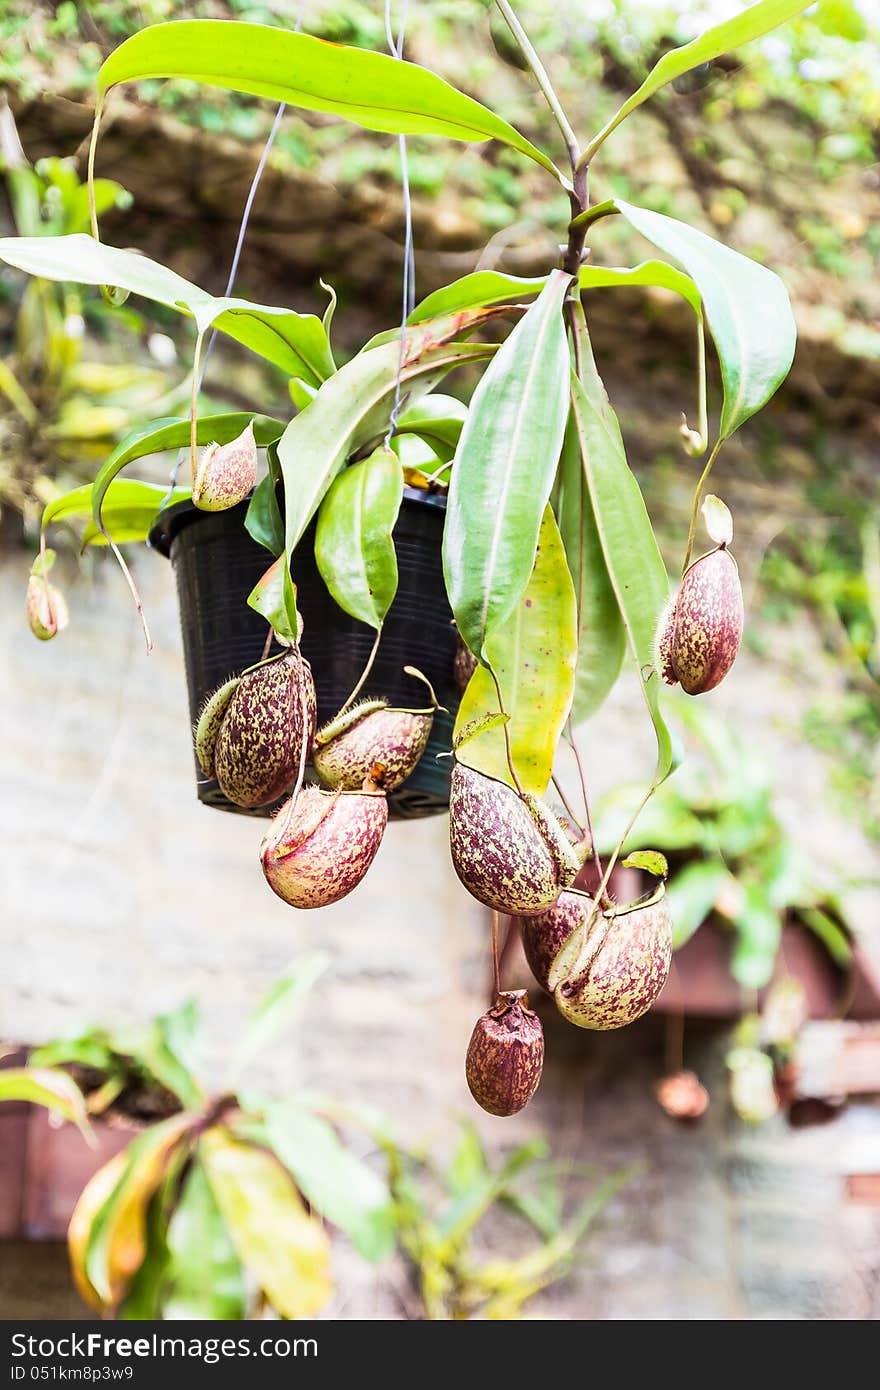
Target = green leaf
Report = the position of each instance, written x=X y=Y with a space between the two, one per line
x=468 y=1166
x=284 y=1248
x=294 y=342
x=533 y=654
x=749 y=24
x=354 y=547
x=204 y=1274
x=601 y=634
x=484 y=287
x=650 y=860
x=692 y=894
x=372 y=89
x=635 y=566
x=832 y=936
x=55 y=1090
x=173 y=433
x=747 y=307
x=437 y=419
x=352 y=410
x=88 y=1050
x=334 y=1182
x=759 y=932
x=263 y=520
x=128 y=513
x=169 y=1050
x=143 y=1298
x=274 y=597
x=276 y=1010
x=504 y=468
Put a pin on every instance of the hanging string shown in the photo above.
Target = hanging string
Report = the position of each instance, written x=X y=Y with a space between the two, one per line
x=408 y=298
x=230 y=281
x=236 y=257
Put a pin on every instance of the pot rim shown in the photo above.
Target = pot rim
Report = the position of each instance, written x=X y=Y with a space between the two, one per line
x=172 y=520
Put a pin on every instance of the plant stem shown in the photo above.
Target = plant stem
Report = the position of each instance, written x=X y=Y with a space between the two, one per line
x=597 y=862
x=90 y=176
x=609 y=868
x=695 y=506
x=366 y=671
x=540 y=73
x=16 y=394
x=129 y=579
x=496 y=967
x=506 y=727
x=194 y=408
x=568 y=807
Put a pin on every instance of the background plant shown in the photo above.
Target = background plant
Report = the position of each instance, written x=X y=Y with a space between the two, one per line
x=731 y=859
x=215 y=1208
x=65 y=407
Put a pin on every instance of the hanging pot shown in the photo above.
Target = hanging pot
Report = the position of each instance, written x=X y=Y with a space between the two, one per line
x=216 y=564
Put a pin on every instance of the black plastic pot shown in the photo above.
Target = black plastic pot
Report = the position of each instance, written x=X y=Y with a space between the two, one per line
x=217 y=564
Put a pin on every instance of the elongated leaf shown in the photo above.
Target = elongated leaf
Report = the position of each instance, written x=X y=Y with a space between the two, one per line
x=504 y=468
x=145 y=1297
x=171 y=432
x=333 y=1180
x=601 y=637
x=295 y=342
x=484 y=287
x=263 y=520
x=750 y=24
x=204 y=1274
x=170 y=1050
x=55 y=1090
x=117 y=1235
x=533 y=654
x=174 y=433
x=354 y=547
x=437 y=419
x=274 y=596
x=634 y=563
x=280 y=1004
x=90 y=1205
x=692 y=894
x=352 y=409
x=747 y=307
x=285 y=1249
x=129 y=510
x=759 y=932
x=372 y=89
x=832 y=936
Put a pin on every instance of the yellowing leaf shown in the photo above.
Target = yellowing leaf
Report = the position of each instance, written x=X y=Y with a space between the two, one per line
x=107 y=1233
x=533 y=654
x=92 y=1198
x=55 y=1090
x=284 y=1248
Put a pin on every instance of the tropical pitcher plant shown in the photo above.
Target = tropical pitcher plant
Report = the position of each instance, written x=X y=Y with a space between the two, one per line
x=551 y=566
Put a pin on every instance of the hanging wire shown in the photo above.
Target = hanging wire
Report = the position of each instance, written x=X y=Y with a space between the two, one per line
x=236 y=257
x=408 y=298
x=230 y=281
